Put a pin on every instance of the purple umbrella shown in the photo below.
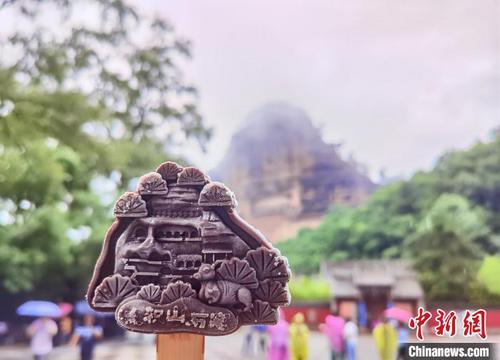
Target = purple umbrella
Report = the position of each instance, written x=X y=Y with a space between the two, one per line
x=39 y=308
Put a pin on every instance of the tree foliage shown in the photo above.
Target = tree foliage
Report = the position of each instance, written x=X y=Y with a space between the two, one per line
x=305 y=288
x=125 y=62
x=84 y=110
x=445 y=220
x=445 y=247
x=489 y=272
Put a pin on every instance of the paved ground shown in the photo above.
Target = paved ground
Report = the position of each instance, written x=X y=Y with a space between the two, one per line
x=217 y=348
x=142 y=347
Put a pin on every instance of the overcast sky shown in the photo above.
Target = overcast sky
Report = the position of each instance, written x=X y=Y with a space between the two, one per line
x=397 y=82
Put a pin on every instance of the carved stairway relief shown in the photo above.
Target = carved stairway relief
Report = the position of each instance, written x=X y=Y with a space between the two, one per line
x=178 y=258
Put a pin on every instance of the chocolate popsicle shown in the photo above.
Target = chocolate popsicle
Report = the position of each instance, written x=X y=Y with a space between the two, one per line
x=178 y=258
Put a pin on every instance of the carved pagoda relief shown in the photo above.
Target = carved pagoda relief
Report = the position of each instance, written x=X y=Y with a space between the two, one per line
x=178 y=258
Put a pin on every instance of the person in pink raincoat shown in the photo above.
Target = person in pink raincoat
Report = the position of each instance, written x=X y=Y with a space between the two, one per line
x=333 y=328
x=278 y=340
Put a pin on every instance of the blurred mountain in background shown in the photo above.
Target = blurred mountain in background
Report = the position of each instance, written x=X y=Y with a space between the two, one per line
x=284 y=174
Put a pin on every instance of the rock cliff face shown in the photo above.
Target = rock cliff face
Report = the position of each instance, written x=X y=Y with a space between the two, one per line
x=286 y=177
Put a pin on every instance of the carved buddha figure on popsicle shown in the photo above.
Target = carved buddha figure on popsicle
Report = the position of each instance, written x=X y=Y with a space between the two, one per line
x=178 y=258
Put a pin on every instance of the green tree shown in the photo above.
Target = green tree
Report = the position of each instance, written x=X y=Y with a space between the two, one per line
x=126 y=62
x=75 y=129
x=445 y=248
x=373 y=230
x=475 y=174
x=46 y=162
x=379 y=228
x=488 y=274
x=305 y=288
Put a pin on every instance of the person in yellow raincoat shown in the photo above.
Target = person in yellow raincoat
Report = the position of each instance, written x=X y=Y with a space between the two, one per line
x=386 y=339
x=299 y=338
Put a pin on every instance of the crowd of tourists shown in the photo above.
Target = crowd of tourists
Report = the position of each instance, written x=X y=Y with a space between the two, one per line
x=42 y=331
x=290 y=341
x=283 y=341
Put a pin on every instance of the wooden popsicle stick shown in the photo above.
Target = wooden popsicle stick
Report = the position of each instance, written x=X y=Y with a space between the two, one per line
x=180 y=346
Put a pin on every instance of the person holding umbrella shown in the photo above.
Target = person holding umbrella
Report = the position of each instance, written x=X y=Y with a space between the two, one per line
x=386 y=339
x=42 y=330
x=403 y=334
x=401 y=317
